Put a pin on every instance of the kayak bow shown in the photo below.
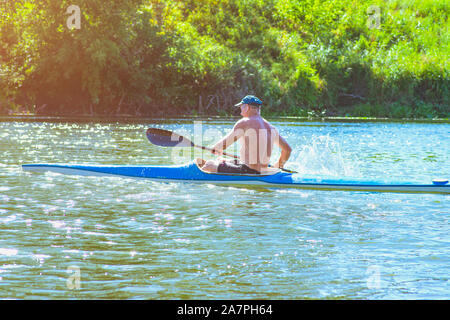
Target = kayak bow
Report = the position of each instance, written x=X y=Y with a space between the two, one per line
x=192 y=173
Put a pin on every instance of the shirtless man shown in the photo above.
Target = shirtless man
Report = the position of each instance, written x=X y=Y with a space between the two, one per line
x=257 y=137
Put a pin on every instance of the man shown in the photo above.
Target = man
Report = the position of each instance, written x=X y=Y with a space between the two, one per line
x=257 y=137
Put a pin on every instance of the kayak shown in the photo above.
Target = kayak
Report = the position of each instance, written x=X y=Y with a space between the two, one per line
x=190 y=172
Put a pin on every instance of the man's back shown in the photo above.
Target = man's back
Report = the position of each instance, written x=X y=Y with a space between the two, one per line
x=257 y=137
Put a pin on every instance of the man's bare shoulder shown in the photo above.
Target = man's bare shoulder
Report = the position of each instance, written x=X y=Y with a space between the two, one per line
x=249 y=123
x=269 y=125
x=242 y=124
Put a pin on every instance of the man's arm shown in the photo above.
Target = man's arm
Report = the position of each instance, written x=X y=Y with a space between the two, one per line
x=230 y=138
x=285 y=150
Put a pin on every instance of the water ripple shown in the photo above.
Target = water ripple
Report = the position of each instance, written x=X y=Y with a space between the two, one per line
x=135 y=239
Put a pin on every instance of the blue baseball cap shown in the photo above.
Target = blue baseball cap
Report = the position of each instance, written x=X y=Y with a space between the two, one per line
x=252 y=100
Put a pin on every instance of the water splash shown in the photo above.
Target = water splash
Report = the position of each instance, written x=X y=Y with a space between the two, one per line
x=322 y=155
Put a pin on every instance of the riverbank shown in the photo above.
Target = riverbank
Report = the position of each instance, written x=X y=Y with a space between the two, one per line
x=191 y=119
x=366 y=112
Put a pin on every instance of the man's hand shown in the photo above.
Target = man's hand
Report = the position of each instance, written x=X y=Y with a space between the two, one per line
x=278 y=165
x=217 y=152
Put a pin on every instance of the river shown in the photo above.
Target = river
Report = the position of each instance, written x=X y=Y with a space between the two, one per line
x=72 y=237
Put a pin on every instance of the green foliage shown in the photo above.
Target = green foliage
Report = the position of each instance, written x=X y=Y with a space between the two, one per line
x=304 y=58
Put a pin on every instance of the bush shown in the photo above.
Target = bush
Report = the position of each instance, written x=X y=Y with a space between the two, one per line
x=158 y=56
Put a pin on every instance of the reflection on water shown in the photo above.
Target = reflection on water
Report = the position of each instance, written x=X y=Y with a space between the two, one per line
x=126 y=238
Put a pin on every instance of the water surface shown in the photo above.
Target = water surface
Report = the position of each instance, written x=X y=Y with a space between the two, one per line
x=137 y=239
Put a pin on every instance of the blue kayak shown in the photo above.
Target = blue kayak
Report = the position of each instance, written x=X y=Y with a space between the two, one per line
x=190 y=172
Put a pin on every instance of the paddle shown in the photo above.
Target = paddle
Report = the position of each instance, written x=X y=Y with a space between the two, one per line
x=166 y=138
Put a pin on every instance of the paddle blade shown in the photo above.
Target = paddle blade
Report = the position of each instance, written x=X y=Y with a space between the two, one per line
x=167 y=138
